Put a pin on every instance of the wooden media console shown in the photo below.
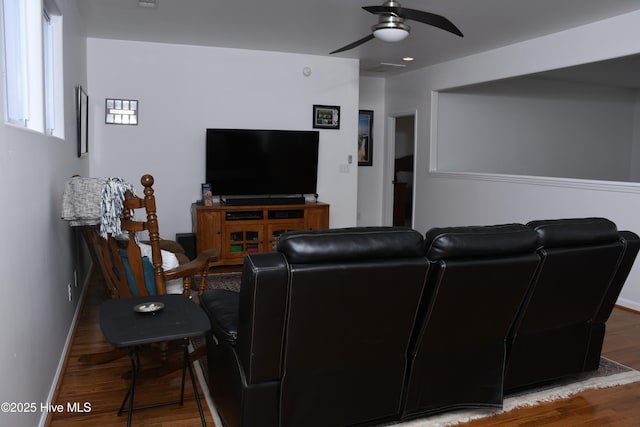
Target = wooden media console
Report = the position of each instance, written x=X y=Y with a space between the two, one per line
x=239 y=230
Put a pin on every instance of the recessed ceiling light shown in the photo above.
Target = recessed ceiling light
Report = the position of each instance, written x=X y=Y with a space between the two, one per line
x=149 y=4
x=408 y=58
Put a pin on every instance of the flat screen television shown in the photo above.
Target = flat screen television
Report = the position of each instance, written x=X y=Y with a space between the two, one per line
x=252 y=162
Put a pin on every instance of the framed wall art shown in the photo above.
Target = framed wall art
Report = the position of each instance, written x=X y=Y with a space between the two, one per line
x=82 y=118
x=121 y=111
x=365 y=138
x=326 y=117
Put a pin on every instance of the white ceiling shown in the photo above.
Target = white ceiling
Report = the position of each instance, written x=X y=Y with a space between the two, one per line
x=321 y=26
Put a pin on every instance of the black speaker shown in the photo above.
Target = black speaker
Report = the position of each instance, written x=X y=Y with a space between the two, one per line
x=188 y=242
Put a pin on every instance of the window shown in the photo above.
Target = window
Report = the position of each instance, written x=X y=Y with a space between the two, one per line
x=33 y=65
x=53 y=82
x=47 y=50
x=15 y=50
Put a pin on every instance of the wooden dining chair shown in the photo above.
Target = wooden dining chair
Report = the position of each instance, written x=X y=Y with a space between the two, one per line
x=138 y=262
x=135 y=266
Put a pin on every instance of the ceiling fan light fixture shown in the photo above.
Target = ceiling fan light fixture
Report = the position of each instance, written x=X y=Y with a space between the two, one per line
x=391 y=31
x=391 y=26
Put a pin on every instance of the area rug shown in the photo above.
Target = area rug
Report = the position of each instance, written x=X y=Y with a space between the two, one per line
x=229 y=281
x=608 y=374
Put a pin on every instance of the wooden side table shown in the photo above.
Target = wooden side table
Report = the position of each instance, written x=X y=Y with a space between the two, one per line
x=128 y=322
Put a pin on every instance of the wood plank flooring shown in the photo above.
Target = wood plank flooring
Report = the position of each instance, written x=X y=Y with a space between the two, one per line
x=104 y=387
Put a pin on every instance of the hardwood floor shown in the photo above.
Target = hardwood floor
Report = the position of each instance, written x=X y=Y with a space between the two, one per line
x=104 y=387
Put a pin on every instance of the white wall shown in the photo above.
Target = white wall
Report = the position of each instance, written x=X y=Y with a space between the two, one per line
x=37 y=247
x=540 y=127
x=370 y=178
x=457 y=199
x=183 y=90
x=634 y=159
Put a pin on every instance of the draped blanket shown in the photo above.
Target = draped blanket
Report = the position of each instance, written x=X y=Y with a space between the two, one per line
x=91 y=201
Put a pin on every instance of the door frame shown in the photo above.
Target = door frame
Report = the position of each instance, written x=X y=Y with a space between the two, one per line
x=390 y=151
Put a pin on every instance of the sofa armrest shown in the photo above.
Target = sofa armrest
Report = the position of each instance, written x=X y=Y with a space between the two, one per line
x=262 y=314
x=631 y=243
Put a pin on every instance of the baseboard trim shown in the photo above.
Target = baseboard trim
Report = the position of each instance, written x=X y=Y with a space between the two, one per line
x=628 y=304
x=44 y=417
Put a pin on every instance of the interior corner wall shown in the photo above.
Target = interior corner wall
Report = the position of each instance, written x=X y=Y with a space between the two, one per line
x=39 y=249
x=370 y=178
x=457 y=199
x=183 y=90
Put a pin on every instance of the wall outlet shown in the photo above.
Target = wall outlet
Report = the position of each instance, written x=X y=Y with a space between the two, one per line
x=70 y=293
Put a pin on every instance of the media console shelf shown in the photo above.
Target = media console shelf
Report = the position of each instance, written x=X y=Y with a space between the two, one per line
x=239 y=230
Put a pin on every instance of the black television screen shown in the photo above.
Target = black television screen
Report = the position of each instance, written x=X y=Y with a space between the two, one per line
x=261 y=162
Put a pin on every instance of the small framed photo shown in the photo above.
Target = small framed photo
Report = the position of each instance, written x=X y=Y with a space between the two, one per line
x=326 y=117
x=207 y=195
x=365 y=138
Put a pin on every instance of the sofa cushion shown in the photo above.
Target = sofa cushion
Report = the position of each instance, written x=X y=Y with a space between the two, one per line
x=574 y=232
x=221 y=305
x=474 y=241
x=344 y=244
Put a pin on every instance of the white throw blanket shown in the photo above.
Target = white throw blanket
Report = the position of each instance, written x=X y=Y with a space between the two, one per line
x=91 y=201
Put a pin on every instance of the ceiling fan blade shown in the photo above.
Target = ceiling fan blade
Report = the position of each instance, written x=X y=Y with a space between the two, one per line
x=354 y=44
x=416 y=15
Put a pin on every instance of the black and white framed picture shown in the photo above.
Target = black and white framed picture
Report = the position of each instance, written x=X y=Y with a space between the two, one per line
x=326 y=117
x=365 y=138
x=82 y=117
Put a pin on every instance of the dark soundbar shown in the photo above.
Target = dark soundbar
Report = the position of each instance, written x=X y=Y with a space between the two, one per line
x=255 y=201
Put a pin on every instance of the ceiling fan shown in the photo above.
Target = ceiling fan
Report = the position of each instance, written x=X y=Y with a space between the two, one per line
x=391 y=26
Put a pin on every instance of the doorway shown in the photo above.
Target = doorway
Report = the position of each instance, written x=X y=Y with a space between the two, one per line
x=403 y=141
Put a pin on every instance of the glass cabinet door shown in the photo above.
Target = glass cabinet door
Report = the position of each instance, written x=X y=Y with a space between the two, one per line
x=276 y=230
x=240 y=240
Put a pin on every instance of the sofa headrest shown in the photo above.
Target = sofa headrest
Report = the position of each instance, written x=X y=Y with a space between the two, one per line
x=348 y=244
x=480 y=241
x=574 y=232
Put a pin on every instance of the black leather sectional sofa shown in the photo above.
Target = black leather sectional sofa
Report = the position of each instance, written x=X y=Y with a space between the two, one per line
x=365 y=326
